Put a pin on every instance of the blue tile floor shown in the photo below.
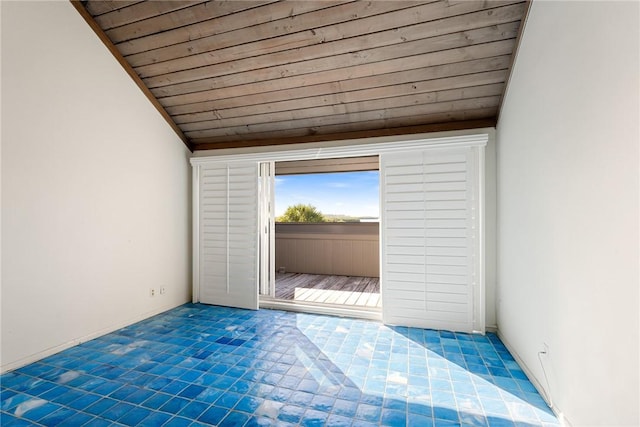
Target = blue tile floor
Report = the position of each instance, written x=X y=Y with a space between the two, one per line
x=203 y=365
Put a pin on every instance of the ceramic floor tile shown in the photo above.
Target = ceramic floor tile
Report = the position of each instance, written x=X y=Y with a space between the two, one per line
x=201 y=365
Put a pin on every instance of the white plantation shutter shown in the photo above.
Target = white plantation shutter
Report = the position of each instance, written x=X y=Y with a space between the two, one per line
x=429 y=222
x=228 y=234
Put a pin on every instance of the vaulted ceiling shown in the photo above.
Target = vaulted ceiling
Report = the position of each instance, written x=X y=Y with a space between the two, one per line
x=248 y=73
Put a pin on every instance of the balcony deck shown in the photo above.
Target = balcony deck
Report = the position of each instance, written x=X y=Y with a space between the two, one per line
x=329 y=289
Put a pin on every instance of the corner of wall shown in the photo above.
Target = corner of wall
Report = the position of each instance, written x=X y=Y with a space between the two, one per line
x=567 y=209
x=95 y=189
x=490 y=244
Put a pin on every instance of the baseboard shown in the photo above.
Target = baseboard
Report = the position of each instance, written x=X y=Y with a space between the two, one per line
x=534 y=381
x=76 y=341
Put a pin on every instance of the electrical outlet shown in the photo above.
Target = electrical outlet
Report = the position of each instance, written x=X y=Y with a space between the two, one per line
x=163 y=290
x=152 y=292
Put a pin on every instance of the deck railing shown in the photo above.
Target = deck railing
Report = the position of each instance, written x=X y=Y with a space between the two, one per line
x=343 y=248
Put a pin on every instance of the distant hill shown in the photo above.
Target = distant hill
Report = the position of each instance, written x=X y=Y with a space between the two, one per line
x=347 y=218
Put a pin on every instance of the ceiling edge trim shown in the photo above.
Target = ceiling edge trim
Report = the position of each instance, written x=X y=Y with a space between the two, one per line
x=514 y=55
x=366 y=148
x=203 y=144
x=77 y=4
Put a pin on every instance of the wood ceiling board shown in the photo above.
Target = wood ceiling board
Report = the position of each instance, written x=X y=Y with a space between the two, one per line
x=268 y=37
x=381 y=123
x=321 y=30
x=345 y=97
x=448 y=121
x=351 y=117
x=244 y=86
x=247 y=71
x=385 y=82
x=362 y=47
x=346 y=164
x=214 y=144
x=342 y=108
x=97 y=8
x=140 y=11
x=205 y=20
x=221 y=71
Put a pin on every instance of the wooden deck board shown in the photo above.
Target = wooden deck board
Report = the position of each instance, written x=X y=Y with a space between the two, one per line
x=318 y=288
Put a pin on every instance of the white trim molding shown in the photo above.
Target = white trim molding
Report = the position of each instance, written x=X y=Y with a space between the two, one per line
x=364 y=149
x=346 y=149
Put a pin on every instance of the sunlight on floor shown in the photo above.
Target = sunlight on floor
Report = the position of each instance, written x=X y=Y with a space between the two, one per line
x=201 y=365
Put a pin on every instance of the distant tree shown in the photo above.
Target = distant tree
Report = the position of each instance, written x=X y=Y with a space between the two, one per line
x=301 y=213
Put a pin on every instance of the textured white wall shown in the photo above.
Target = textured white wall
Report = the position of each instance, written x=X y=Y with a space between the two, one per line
x=95 y=189
x=568 y=207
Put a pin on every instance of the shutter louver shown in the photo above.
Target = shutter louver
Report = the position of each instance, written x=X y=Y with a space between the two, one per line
x=228 y=234
x=429 y=227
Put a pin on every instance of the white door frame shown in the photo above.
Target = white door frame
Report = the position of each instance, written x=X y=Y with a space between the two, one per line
x=267 y=229
x=376 y=146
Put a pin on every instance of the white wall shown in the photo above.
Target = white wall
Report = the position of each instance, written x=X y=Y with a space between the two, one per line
x=568 y=208
x=95 y=189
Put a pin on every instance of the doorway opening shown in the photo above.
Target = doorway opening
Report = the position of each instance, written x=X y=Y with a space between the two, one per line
x=324 y=244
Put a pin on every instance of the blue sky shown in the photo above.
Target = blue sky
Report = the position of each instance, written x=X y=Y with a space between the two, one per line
x=345 y=193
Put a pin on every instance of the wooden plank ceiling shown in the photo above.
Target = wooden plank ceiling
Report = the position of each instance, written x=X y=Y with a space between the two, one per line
x=247 y=73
